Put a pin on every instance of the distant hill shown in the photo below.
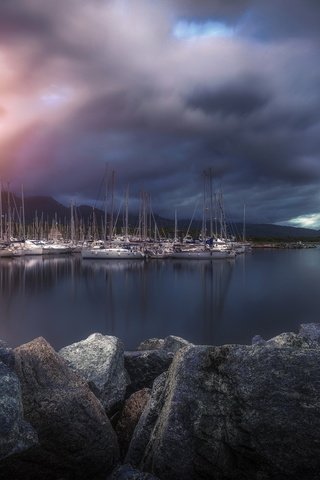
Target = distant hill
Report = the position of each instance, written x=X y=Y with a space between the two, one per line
x=47 y=206
x=263 y=231
x=281 y=232
x=49 y=209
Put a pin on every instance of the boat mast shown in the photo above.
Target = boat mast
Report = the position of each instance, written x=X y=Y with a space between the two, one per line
x=126 y=234
x=41 y=227
x=244 y=223
x=1 y=225
x=23 y=215
x=72 y=229
x=150 y=216
x=9 y=214
x=223 y=218
x=204 y=209
x=112 y=205
x=175 y=227
x=106 y=205
x=145 y=221
x=211 y=201
x=215 y=214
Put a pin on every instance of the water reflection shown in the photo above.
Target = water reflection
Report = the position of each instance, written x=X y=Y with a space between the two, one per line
x=216 y=283
x=65 y=299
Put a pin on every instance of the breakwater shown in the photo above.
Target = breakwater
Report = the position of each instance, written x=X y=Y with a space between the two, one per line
x=167 y=410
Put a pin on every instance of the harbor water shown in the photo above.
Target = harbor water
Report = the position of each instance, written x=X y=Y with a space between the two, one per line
x=65 y=299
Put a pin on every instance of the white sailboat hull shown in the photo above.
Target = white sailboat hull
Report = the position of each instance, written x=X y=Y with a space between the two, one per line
x=203 y=255
x=191 y=255
x=6 y=253
x=111 y=253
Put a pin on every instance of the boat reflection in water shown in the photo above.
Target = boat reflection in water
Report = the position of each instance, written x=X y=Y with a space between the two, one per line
x=65 y=299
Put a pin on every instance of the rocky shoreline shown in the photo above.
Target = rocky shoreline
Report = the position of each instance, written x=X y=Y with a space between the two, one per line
x=169 y=410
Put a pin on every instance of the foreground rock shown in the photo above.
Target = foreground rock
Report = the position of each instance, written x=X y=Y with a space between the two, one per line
x=151 y=344
x=144 y=366
x=129 y=418
x=143 y=431
x=75 y=435
x=99 y=360
x=221 y=413
x=127 y=472
x=169 y=344
x=307 y=337
x=6 y=354
x=310 y=332
x=152 y=358
x=16 y=435
x=235 y=412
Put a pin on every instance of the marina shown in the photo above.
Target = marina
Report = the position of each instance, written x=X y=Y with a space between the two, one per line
x=159 y=240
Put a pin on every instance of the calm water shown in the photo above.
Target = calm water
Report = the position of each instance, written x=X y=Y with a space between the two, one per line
x=65 y=299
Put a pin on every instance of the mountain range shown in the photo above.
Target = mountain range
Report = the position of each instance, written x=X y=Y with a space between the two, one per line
x=48 y=208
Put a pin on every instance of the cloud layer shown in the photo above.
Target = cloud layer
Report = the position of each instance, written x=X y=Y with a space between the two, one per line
x=83 y=84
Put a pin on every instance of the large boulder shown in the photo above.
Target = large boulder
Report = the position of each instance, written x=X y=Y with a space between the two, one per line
x=310 y=332
x=170 y=344
x=308 y=337
x=6 y=354
x=16 y=435
x=144 y=366
x=151 y=344
x=100 y=361
x=234 y=412
x=75 y=435
x=142 y=433
x=127 y=472
x=129 y=418
x=153 y=357
x=173 y=343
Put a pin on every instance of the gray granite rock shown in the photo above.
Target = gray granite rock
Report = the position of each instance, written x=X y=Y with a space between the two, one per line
x=151 y=344
x=234 y=412
x=142 y=433
x=129 y=418
x=16 y=435
x=127 y=472
x=144 y=366
x=173 y=343
x=6 y=354
x=258 y=340
x=308 y=337
x=76 y=439
x=310 y=331
x=100 y=361
x=290 y=339
x=170 y=344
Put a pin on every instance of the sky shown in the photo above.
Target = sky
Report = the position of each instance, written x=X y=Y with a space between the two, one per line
x=160 y=91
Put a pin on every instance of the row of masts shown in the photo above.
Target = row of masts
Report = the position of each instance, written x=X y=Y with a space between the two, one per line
x=75 y=228
x=78 y=229
x=12 y=217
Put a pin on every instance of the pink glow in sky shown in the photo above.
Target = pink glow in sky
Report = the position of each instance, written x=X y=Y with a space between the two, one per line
x=160 y=91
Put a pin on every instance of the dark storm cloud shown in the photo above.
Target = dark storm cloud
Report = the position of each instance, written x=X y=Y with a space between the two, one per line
x=18 y=20
x=284 y=18
x=121 y=108
x=236 y=99
x=267 y=19
x=89 y=83
x=204 y=9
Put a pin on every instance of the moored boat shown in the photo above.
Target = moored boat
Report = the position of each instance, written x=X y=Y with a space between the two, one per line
x=5 y=252
x=202 y=253
x=110 y=253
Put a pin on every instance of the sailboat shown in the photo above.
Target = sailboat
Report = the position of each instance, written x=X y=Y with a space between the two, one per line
x=112 y=252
